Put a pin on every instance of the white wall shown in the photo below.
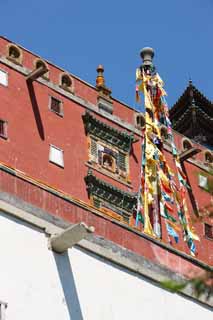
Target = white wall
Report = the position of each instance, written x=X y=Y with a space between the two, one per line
x=38 y=284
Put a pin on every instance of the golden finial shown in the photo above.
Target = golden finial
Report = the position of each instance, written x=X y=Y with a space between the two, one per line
x=100 y=81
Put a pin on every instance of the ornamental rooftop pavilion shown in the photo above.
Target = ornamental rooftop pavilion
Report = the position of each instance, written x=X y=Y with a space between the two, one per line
x=71 y=153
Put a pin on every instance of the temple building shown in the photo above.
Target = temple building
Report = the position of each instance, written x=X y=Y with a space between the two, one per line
x=192 y=116
x=72 y=243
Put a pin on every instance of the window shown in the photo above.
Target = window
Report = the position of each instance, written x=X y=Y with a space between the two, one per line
x=14 y=54
x=3 y=129
x=56 y=106
x=140 y=121
x=202 y=181
x=187 y=145
x=66 y=82
x=108 y=162
x=208 y=157
x=3 y=78
x=208 y=230
x=56 y=156
x=40 y=63
x=108 y=158
x=164 y=133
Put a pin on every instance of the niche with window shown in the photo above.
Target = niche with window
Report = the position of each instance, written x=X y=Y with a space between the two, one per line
x=14 y=54
x=208 y=158
x=187 y=144
x=66 y=82
x=38 y=63
x=109 y=148
x=108 y=158
x=140 y=121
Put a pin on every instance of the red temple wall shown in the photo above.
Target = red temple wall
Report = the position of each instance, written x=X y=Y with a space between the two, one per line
x=32 y=129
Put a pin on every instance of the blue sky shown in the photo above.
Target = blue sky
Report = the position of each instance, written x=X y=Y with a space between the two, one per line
x=79 y=35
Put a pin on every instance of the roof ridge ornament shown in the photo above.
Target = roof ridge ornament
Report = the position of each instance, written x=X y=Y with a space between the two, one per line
x=104 y=99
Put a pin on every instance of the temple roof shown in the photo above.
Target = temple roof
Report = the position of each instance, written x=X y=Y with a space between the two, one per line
x=190 y=96
x=192 y=115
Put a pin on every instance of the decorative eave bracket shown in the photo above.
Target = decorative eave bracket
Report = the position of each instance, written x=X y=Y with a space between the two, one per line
x=121 y=139
x=119 y=198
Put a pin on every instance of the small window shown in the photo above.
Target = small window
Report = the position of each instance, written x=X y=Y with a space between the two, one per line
x=164 y=133
x=202 y=181
x=208 y=157
x=108 y=162
x=66 y=82
x=3 y=78
x=3 y=129
x=122 y=161
x=40 y=63
x=187 y=145
x=140 y=121
x=208 y=230
x=107 y=158
x=14 y=54
x=56 y=106
x=56 y=156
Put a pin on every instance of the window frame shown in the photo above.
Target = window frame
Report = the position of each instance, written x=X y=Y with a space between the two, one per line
x=61 y=113
x=17 y=60
x=116 y=170
x=5 y=124
x=200 y=176
x=53 y=162
x=187 y=141
x=6 y=73
x=205 y=234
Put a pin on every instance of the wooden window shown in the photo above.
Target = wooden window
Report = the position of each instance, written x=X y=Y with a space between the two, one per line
x=3 y=78
x=122 y=161
x=108 y=162
x=107 y=158
x=56 y=156
x=96 y=202
x=93 y=150
x=56 y=106
x=208 y=230
x=3 y=129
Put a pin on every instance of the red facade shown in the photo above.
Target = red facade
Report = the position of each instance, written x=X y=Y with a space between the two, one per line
x=27 y=173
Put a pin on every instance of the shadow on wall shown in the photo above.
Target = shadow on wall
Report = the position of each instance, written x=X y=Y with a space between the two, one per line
x=36 y=109
x=68 y=285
